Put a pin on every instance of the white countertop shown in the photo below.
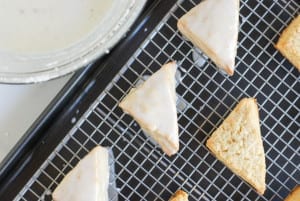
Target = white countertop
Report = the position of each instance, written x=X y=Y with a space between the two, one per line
x=20 y=105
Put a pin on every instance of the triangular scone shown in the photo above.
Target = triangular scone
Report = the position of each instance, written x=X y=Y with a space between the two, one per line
x=213 y=26
x=88 y=180
x=238 y=144
x=289 y=42
x=153 y=106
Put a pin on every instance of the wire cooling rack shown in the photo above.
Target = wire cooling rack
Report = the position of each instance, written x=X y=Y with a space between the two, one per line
x=205 y=98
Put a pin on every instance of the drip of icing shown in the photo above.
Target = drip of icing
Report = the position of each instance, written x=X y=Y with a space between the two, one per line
x=199 y=58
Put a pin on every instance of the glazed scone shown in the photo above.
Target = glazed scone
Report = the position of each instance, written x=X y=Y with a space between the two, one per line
x=212 y=26
x=180 y=195
x=153 y=106
x=88 y=180
x=238 y=144
x=294 y=195
x=289 y=42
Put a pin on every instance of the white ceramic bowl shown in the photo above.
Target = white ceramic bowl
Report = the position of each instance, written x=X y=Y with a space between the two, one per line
x=37 y=67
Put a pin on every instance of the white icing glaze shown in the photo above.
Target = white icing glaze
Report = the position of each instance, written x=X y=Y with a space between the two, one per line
x=153 y=105
x=215 y=23
x=88 y=180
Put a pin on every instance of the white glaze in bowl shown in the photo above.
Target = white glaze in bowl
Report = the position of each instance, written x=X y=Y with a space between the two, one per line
x=41 y=41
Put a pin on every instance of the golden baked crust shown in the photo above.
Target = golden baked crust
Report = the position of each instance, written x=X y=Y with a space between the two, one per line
x=180 y=195
x=238 y=144
x=289 y=42
x=294 y=195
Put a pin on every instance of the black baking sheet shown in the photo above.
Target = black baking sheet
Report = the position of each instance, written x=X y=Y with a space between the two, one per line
x=206 y=96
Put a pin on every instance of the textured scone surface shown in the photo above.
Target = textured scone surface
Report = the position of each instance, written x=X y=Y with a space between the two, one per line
x=289 y=42
x=237 y=143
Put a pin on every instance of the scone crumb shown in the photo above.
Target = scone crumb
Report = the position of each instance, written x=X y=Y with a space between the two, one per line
x=180 y=195
x=294 y=195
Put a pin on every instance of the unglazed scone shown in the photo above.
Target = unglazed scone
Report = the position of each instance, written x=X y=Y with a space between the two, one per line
x=88 y=180
x=294 y=195
x=238 y=144
x=289 y=42
x=212 y=26
x=153 y=106
x=180 y=195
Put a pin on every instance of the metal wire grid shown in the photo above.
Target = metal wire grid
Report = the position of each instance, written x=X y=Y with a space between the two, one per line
x=205 y=98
